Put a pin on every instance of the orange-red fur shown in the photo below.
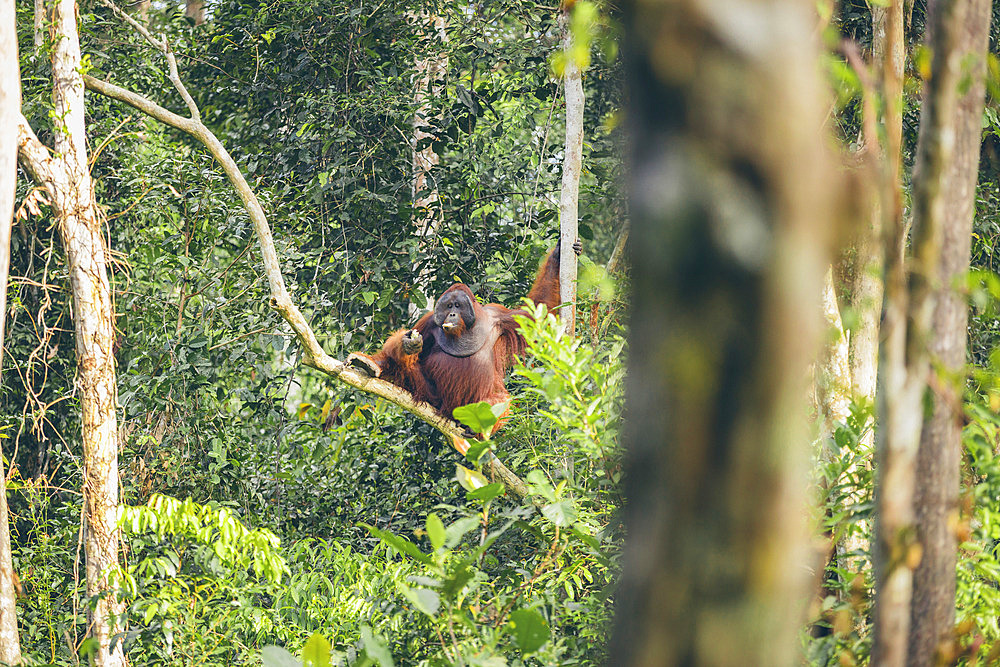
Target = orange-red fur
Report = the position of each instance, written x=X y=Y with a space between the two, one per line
x=447 y=382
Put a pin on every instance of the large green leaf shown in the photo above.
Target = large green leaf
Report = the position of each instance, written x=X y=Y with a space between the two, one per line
x=470 y=479
x=455 y=532
x=435 y=530
x=400 y=544
x=561 y=513
x=376 y=648
x=316 y=652
x=529 y=629
x=478 y=417
x=424 y=599
x=275 y=656
x=486 y=493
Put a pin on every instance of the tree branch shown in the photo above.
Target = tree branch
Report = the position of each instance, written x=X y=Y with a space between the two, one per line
x=33 y=155
x=616 y=261
x=163 y=46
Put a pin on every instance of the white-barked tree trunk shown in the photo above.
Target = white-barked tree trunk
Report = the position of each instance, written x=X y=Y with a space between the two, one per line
x=65 y=174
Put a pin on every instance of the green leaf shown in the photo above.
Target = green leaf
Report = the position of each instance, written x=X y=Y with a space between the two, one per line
x=375 y=647
x=435 y=530
x=424 y=599
x=487 y=493
x=476 y=450
x=455 y=532
x=540 y=485
x=454 y=584
x=275 y=656
x=470 y=479
x=529 y=629
x=316 y=652
x=560 y=513
x=477 y=416
x=400 y=544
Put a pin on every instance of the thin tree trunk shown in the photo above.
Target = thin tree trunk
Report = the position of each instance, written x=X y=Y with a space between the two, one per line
x=429 y=84
x=195 y=10
x=868 y=243
x=40 y=18
x=906 y=331
x=939 y=457
x=617 y=259
x=10 y=112
x=67 y=177
x=10 y=105
x=727 y=260
x=888 y=56
x=141 y=9
x=833 y=375
x=572 y=163
x=10 y=643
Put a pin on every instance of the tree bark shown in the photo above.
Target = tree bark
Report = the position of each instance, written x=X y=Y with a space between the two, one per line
x=66 y=175
x=616 y=261
x=39 y=24
x=141 y=9
x=888 y=57
x=429 y=84
x=430 y=72
x=833 y=374
x=10 y=112
x=936 y=500
x=570 y=194
x=731 y=196
x=904 y=362
x=10 y=105
x=194 y=10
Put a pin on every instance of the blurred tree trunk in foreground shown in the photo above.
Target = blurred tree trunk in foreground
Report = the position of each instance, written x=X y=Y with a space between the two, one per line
x=936 y=498
x=913 y=287
x=732 y=198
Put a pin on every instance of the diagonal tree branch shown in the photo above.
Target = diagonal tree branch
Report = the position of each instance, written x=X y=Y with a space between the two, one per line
x=281 y=301
x=163 y=46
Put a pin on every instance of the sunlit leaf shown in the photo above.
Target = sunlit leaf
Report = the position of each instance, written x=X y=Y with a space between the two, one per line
x=560 y=513
x=470 y=479
x=435 y=530
x=316 y=652
x=376 y=647
x=487 y=493
x=275 y=656
x=477 y=416
x=400 y=544
x=425 y=600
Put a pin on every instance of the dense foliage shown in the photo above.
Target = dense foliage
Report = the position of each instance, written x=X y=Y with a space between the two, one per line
x=269 y=510
x=281 y=467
